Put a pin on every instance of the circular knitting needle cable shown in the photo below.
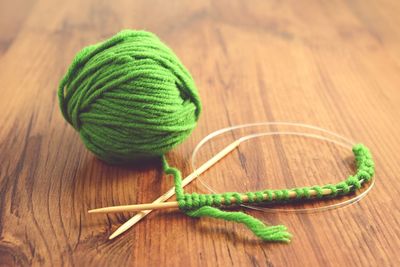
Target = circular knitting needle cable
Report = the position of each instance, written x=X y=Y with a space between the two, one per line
x=345 y=143
x=158 y=204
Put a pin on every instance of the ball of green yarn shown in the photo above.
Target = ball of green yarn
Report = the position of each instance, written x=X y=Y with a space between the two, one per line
x=129 y=97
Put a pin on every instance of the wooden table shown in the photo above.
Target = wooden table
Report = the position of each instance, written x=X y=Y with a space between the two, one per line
x=335 y=64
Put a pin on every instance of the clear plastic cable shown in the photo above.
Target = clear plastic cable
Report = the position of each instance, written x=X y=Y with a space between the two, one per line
x=334 y=138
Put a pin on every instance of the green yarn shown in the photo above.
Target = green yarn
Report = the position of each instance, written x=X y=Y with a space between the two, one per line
x=196 y=205
x=266 y=233
x=129 y=97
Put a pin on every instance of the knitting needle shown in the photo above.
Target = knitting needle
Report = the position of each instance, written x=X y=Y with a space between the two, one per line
x=174 y=204
x=128 y=224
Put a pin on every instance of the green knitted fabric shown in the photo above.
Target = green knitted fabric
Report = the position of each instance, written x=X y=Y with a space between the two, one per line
x=199 y=205
x=130 y=98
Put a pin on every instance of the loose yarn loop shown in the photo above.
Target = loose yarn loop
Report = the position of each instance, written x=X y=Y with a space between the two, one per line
x=129 y=97
x=204 y=205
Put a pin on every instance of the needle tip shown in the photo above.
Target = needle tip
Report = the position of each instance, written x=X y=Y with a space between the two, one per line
x=112 y=236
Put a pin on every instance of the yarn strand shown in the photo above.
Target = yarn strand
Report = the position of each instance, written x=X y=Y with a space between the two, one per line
x=276 y=233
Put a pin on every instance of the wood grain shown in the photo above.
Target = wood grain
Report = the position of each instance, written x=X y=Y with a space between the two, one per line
x=335 y=64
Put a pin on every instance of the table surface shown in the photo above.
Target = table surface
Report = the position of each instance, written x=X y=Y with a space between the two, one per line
x=334 y=64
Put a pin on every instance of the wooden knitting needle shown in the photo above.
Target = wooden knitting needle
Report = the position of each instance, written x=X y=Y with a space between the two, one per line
x=174 y=204
x=128 y=224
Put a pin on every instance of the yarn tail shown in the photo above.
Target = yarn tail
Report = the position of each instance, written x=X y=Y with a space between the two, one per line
x=277 y=233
